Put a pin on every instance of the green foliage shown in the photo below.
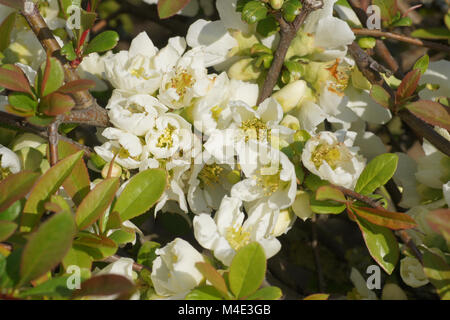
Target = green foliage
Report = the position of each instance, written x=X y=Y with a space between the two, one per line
x=290 y=9
x=103 y=42
x=377 y=173
x=381 y=96
x=422 y=64
x=254 y=11
x=168 y=8
x=438 y=272
x=431 y=112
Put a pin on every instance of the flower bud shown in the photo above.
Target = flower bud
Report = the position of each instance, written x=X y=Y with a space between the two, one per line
x=291 y=95
x=276 y=4
x=115 y=172
x=244 y=70
x=291 y=122
x=412 y=273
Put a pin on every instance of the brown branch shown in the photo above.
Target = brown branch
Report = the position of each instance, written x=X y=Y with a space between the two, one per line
x=288 y=31
x=52 y=132
x=402 y=38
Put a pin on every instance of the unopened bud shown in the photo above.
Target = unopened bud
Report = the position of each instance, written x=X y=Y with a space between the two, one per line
x=276 y=4
x=291 y=95
x=291 y=122
x=116 y=171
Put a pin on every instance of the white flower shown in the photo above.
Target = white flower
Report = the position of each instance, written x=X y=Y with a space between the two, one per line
x=127 y=146
x=93 y=68
x=332 y=157
x=268 y=175
x=171 y=134
x=9 y=162
x=227 y=232
x=187 y=81
x=174 y=270
x=134 y=113
x=331 y=34
x=140 y=69
x=412 y=273
x=437 y=80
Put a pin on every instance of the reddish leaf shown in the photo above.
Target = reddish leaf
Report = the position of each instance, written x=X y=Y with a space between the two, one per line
x=330 y=193
x=77 y=85
x=384 y=218
x=16 y=4
x=439 y=221
x=214 y=277
x=106 y=285
x=52 y=77
x=13 y=78
x=168 y=8
x=431 y=112
x=408 y=85
x=15 y=187
x=55 y=104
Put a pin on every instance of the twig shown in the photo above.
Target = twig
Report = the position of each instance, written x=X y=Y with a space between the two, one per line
x=288 y=32
x=402 y=38
x=315 y=242
x=52 y=131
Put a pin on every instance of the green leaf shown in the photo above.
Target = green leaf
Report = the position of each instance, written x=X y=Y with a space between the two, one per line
x=31 y=159
x=77 y=257
x=141 y=193
x=254 y=11
x=439 y=221
x=23 y=102
x=77 y=184
x=377 y=173
x=106 y=285
x=381 y=243
x=317 y=296
x=432 y=33
x=96 y=203
x=65 y=4
x=268 y=26
x=68 y=51
x=380 y=95
x=384 y=218
x=388 y=8
x=55 y=104
x=168 y=8
x=325 y=207
x=7 y=229
x=438 y=272
x=76 y=86
x=103 y=42
x=98 y=247
x=291 y=9
x=422 y=64
x=213 y=277
x=6 y=28
x=247 y=270
x=123 y=235
x=11 y=275
x=47 y=246
x=204 y=292
x=53 y=288
x=402 y=22
x=267 y=293
x=50 y=77
x=47 y=185
x=408 y=86
x=314 y=182
x=147 y=253
x=41 y=120
x=367 y=42
x=431 y=112
x=330 y=193
x=15 y=187
x=13 y=212
x=13 y=78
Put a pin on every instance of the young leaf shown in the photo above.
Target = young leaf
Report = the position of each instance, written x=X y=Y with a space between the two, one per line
x=438 y=272
x=326 y=207
x=330 y=193
x=422 y=64
x=213 y=277
x=204 y=293
x=23 y=102
x=51 y=76
x=68 y=51
x=103 y=42
x=254 y=11
x=15 y=187
x=47 y=185
x=267 y=293
x=105 y=285
x=76 y=86
x=77 y=185
x=432 y=33
x=7 y=229
x=96 y=202
x=47 y=246
x=408 y=86
x=141 y=193
x=56 y=104
x=290 y=9
x=13 y=78
x=247 y=270
x=168 y=8
x=381 y=243
x=431 y=112
x=380 y=95
x=13 y=211
x=98 y=247
x=377 y=173
x=384 y=218
x=6 y=28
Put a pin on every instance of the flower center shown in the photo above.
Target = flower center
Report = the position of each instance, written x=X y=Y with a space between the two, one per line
x=269 y=182
x=255 y=129
x=136 y=108
x=237 y=238
x=216 y=111
x=139 y=73
x=165 y=140
x=182 y=81
x=330 y=154
x=210 y=174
